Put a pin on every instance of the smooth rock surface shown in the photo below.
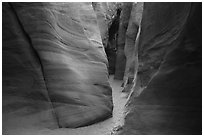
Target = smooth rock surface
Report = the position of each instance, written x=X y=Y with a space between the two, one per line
x=54 y=67
x=167 y=98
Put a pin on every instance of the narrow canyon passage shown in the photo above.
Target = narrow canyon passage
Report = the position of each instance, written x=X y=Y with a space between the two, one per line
x=101 y=68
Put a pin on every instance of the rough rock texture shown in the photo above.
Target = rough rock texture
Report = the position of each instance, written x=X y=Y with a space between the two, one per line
x=167 y=98
x=108 y=21
x=101 y=19
x=120 y=59
x=54 y=67
x=105 y=12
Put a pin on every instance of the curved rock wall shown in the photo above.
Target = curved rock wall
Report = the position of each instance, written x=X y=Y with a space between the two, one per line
x=54 y=67
x=167 y=98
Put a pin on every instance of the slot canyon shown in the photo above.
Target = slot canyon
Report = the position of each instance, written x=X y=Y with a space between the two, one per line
x=106 y=68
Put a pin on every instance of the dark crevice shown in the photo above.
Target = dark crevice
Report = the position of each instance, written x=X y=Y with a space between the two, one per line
x=36 y=55
x=111 y=48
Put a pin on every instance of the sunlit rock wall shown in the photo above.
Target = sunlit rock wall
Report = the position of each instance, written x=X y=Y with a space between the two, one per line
x=167 y=98
x=54 y=67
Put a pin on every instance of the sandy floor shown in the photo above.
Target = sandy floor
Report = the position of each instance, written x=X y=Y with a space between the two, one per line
x=104 y=127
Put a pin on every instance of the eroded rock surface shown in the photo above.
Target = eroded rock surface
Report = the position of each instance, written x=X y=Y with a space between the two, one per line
x=167 y=98
x=54 y=67
x=105 y=12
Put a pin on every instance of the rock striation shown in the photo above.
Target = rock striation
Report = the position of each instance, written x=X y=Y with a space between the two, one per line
x=54 y=67
x=57 y=57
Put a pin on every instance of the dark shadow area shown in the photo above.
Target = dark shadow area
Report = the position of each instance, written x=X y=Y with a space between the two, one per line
x=112 y=42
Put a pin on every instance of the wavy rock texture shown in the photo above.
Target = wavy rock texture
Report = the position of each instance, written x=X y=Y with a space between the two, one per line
x=54 y=67
x=167 y=96
x=120 y=59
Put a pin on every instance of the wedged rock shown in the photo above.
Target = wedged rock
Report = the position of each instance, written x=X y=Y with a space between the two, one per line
x=54 y=67
x=120 y=59
x=167 y=98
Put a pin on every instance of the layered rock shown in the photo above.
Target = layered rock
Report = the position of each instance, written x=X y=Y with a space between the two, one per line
x=167 y=95
x=54 y=67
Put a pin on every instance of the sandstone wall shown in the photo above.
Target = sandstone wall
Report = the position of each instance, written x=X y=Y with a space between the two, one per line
x=167 y=98
x=54 y=67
